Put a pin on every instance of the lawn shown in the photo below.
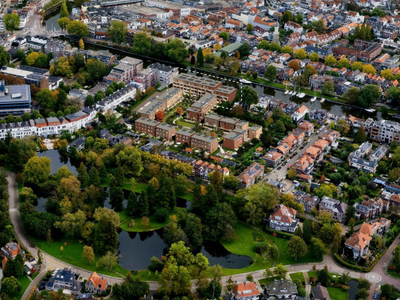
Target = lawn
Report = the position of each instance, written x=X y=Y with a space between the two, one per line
x=138 y=187
x=125 y=220
x=24 y=282
x=297 y=276
x=312 y=274
x=264 y=281
x=72 y=254
x=393 y=273
x=338 y=293
x=286 y=259
x=183 y=123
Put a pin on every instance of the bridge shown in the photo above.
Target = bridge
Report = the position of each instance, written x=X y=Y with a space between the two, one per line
x=51 y=6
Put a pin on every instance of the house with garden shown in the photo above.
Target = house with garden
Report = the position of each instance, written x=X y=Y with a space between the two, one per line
x=284 y=219
x=96 y=284
x=281 y=289
x=245 y=291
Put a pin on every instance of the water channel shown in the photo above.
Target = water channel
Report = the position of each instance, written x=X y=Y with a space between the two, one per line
x=136 y=249
x=50 y=22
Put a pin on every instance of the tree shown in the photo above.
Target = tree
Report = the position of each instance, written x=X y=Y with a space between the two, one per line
x=318 y=26
x=287 y=49
x=200 y=58
x=224 y=35
x=327 y=88
x=81 y=45
x=78 y=28
x=270 y=73
x=106 y=236
x=307 y=231
x=231 y=182
x=294 y=64
x=361 y=136
x=291 y=173
x=96 y=69
x=89 y=101
x=369 y=95
x=343 y=126
x=179 y=111
x=369 y=69
x=300 y=54
x=299 y=19
x=249 y=97
x=330 y=60
x=387 y=74
x=63 y=10
x=318 y=248
x=108 y=261
x=263 y=45
x=393 y=94
x=249 y=28
x=323 y=277
x=10 y=286
x=31 y=58
x=88 y=254
x=72 y=223
x=394 y=174
x=176 y=50
x=27 y=194
x=357 y=66
x=37 y=170
x=364 y=284
x=280 y=271
x=11 y=22
x=343 y=63
x=159 y=116
x=192 y=60
x=46 y=99
x=63 y=22
x=314 y=57
x=286 y=17
x=117 y=31
x=296 y=247
x=244 y=49
x=351 y=95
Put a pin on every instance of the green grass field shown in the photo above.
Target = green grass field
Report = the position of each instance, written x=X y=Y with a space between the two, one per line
x=338 y=293
x=72 y=254
x=286 y=259
x=297 y=276
x=24 y=282
x=184 y=123
x=125 y=220
x=138 y=187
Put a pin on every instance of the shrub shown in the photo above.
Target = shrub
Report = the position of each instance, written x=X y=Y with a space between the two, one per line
x=345 y=287
x=161 y=215
x=300 y=288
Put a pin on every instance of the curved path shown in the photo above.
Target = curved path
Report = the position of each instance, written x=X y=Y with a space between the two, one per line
x=376 y=275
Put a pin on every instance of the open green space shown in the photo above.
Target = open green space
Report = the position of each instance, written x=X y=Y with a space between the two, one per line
x=338 y=293
x=72 y=254
x=137 y=188
x=24 y=282
x=139 y=227
x=183 y=123
x=312 y=274
x=297 y=276
x=393 y=273
x=286 y=259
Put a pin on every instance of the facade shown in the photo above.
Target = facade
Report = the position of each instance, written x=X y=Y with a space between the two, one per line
x=125 y=71
x=309 y=202
x=165 y=100
x=184 y=136
x=212 y=120
x=164 y=73
x=273 y=158
x=284 y=219
x=14 y=99
x=146 y=126
x=165 y=131
x=363 y=50
x=255 y=132
x=358 y=244
x=281 y=289
x=234 y=139
x=96 y=284
x=384 y=131
x=335 y=207
x=204 y=142
x=65 y=279
x=201 y=107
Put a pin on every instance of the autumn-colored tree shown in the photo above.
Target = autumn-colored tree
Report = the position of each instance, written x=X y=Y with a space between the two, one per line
x=81 y=44
x=213 y=134
x=294 y=64
x=159 y=116
x=369 y=69
x=322 y=178
x=179 y=111
x=145 y=222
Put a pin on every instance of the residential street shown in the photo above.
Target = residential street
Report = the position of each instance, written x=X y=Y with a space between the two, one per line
x=377 y=275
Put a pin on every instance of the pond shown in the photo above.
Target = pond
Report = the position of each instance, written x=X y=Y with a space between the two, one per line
x=353 y=285
x=58 y=161
x=137 y=249
x=50 y=22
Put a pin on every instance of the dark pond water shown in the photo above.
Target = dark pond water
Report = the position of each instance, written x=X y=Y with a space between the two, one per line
x=353 y=285
x=137 y=249
x=58 y=161
x=50 y=22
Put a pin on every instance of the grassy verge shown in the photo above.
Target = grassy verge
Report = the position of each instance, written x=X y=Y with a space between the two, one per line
x=286 y=259
x=312 y=274
x=138 y=227
x=24 y=282
x=393 y=273
x=338 y=293
x=184 y=123
x=72 y=254
x=297 y=276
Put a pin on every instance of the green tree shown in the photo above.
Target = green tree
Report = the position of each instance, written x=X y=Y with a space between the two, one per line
x=296 y=247
x=224 y=35
x=11 y=22
x=200 y=58
x=286 y=17
x=323 y=277
x=369 y=95
x=287 y=49
x=249 y=28
x=393 y=94
x=318 y=248
x=330 y=60
x=299 y=19
x=78 y=28
x=96 y=69
x=351 y=95
x=37 y=170
x=41 y=60
x=27 y=194
x=89 y=101
x=270 y=73
x=63 y=10
x=307 y=231
x=327 y=88
x=10 y=286
x=108 y=261
x=72 y=223
x=88 y=254
x=361 y=136
x=318 y=26
x=343 y=63
x=176 y=50
x=263 y=45
x=118 y=31
x=357 y=66
x=314 y=57
x=300 y=54
x=280 y=271
x=249 y=97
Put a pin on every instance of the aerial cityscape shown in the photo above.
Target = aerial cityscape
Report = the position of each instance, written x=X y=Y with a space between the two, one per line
x=211 y=149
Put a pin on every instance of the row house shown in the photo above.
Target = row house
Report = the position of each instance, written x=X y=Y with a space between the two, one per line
x=304 y=165
x=273 y=158
x=309 y=202
x=201 y=107
x=293 y=26
x=155 y=128
x=178 y=157
x=165 y=100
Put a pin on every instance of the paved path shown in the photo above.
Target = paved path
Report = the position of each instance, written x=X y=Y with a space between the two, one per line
x=53 y=263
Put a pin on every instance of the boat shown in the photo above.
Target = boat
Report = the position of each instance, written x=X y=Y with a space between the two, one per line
x=302 y=95
x=286 y=92
x=322 y=100
x=291 y=93
x=245 y=81
x=313 y=99
x=298 y=95
x=370 y=110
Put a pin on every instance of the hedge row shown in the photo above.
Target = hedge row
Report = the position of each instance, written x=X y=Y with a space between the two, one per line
x=344 y=263
x=280 y=234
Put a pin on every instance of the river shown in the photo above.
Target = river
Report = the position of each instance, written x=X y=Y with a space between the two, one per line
x=50 y=22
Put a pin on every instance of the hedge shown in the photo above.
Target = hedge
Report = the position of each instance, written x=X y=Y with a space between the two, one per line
x=284 y=235
x=344 y=263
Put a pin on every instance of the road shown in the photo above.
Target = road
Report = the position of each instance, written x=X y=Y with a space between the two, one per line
x=378 y=273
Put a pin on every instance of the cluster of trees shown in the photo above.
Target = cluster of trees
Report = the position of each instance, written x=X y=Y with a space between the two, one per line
x=11 y=21
x=366 y=97
x=174 y=50
x=276 y=127
x=274 y=47
x=364 y=32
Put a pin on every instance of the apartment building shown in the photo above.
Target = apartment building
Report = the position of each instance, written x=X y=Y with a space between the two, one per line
x=362 y=50
x=14 y=99
x=204 y=142
x=125 y=70
x=201 y=107
x=234 y=139
x=164 y=73
x=384 y=131
x=198 y=86
x=335 y=207
x=184 y=136
x=166 y=99
x=165 y=131
x=255 y=132
x=150 y=109
x=146 y=125
x=212 y=120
